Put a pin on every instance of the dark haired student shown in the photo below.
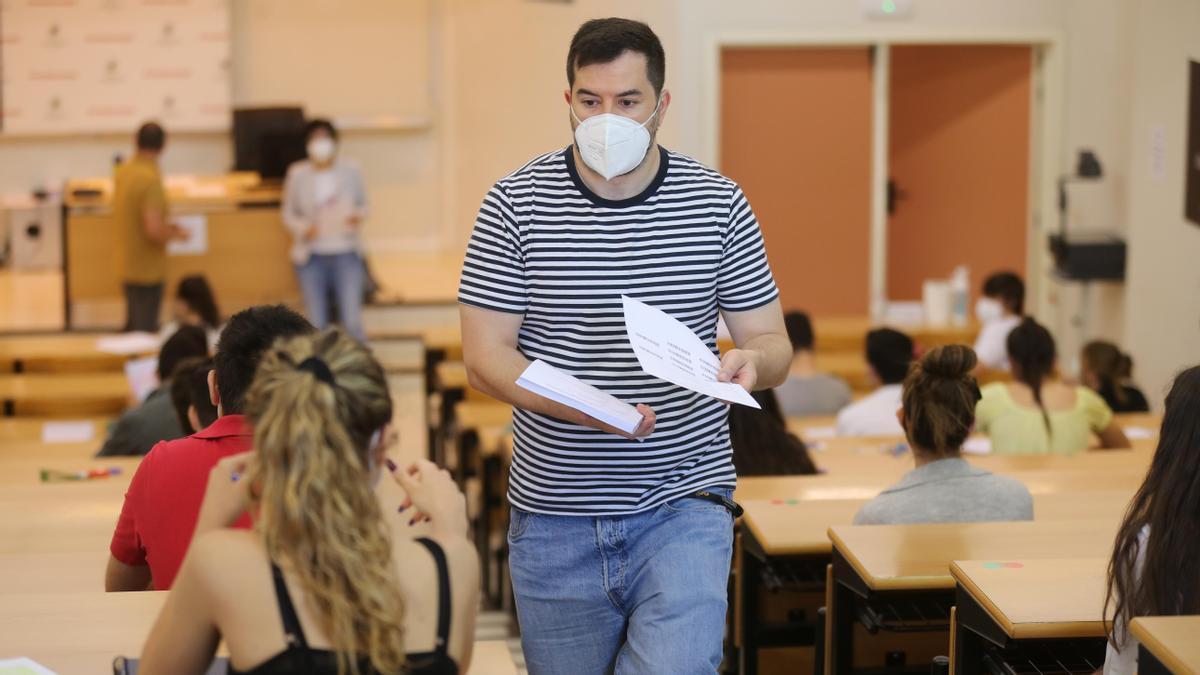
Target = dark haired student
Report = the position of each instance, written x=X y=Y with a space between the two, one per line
x=938 y=415
x=807 y=392
x=139 y=429
x=1107 y=370
x=999 y=310
x=619 y=553
x=889 y=353
x=1153 y=567
x=1036 y=414
x=164 y=497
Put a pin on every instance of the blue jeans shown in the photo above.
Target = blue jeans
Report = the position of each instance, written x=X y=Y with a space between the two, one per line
x=341 y=275
x=643 y=593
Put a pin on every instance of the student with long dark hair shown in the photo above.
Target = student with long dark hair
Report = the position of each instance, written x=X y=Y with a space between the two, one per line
x=762 y=444
x=937 y=416
x=1036 y=414
x=1152 y=571
x=1106 y=370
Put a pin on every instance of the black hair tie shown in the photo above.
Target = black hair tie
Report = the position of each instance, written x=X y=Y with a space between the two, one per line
x=318 y=368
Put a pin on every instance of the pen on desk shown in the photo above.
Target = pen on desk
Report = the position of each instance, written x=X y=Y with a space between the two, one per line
x=52 y=475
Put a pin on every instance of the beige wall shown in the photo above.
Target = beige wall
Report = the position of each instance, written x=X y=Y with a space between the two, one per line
x=353 y=61
x=503 y=100
x=1163 y=293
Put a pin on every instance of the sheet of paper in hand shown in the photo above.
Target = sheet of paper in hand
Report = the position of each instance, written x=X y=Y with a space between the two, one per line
x=545 y=380
x=669 y=350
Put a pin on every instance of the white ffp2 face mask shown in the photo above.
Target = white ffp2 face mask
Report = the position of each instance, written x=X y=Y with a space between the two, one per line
x=321 y=149
x=612 y=145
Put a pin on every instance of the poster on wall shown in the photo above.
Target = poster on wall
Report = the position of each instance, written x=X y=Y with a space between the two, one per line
x=96 y=66
x=1191 y=207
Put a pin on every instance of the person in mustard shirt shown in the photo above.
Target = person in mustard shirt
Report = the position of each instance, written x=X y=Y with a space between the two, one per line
x=140 y=215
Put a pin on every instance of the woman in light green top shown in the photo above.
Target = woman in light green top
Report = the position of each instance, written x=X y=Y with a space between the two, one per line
x=1033 y=415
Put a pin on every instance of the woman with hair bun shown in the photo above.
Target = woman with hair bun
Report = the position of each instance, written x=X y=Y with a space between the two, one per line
x=938 y=414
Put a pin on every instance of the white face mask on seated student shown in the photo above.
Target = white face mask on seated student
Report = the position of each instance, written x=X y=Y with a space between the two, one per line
x=988 y=310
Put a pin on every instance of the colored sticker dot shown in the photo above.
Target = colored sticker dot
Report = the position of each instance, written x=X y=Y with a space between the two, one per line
x=992 y=566
x=1013 y=565
x=793 y=502
x=777 y=502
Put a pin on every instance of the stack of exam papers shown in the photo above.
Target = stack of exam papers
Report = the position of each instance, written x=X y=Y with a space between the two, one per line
x=665 y=348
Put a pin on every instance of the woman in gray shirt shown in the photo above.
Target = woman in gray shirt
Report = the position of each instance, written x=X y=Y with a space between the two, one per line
x=324 y=206
x=938 y=414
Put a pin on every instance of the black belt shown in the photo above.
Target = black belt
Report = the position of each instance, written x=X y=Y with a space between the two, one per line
x=734 y=507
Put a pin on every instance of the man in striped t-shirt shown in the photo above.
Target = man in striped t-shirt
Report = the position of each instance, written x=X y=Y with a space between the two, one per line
x=617 y=564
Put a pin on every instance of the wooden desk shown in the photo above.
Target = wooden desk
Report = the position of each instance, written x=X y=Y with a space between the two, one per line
x=878 y=568
x=1020 y=611
x=247 y=261
x=59 y=353
x=82 y=632
x=1168 y=644
x=29 y=429
x=77 y=394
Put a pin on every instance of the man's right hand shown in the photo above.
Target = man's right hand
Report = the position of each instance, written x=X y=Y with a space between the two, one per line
x=310 y=233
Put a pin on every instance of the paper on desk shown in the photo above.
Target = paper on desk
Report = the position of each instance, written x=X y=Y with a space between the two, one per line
x=23 y=666
x=1140 y=433
x=129 y=343
x=545 y=380
x=142 y=375
x=196 y=225
x=669 y=350
x=68 y=432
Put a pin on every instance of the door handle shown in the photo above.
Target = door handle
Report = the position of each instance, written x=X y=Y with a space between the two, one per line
x=894 y=194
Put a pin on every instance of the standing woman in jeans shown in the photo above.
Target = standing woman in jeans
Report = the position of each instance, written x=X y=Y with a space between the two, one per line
x=324 y=206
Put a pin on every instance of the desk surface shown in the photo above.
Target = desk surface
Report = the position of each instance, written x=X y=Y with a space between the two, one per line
x=22 y=430
x=913 y=557
x=41 y=393
x=60 y=352
x=82 y=632
x=1039 y=598
x=1172 y=640
x=787 y=526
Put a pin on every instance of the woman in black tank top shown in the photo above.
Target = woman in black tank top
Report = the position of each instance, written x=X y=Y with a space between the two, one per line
x=320 y=407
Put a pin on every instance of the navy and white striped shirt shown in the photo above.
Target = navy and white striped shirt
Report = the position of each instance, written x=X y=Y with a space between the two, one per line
x=547 y=247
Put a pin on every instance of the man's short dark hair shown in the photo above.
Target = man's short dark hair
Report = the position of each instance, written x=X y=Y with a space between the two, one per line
x=603 y=40
x=320 y=123
x=799 y=330
x=150 y=136
x=241 y=345
x=1008 y=288
x=889 y=352
x=188 y=341
x=189 y=387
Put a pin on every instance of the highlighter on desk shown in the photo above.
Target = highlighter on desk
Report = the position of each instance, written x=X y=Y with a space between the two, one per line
x=55 y=476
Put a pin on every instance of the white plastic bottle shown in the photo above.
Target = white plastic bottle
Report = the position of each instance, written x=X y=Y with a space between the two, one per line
x=960 y=292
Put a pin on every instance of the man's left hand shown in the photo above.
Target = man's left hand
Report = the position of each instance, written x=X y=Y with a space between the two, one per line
x=738 y=366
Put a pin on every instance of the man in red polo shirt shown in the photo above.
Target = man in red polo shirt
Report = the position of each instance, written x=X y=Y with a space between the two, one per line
x=164 y=497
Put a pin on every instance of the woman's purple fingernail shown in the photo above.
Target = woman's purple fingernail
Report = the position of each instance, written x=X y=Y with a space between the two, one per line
x=401 y=509
x=390 y=464
x=234 y=478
